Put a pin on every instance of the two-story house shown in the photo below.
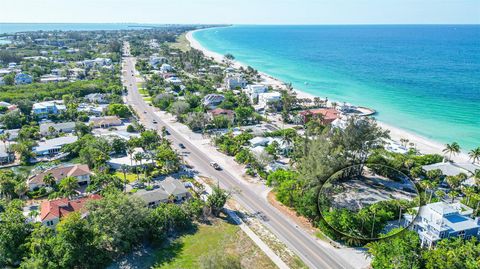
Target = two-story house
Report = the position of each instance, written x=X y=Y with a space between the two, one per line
x=52 y=211
x=436 y=221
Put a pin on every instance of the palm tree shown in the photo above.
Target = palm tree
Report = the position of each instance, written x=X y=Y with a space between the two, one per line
x=474 y=155
x=138 y=157
x=124 y=170
x=440 y=194
x=49 y=180
x=450 y=149
x=453 y=194
x=68 y=186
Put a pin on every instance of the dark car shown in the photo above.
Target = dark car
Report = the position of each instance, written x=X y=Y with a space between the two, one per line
x=215 y=165
x=167 y=132
x=154 y=122
x=181 y=145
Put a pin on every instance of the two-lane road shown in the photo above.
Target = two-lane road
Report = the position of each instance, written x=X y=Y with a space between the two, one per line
x=306 y=247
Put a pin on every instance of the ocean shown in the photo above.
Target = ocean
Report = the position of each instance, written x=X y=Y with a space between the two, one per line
x=422 y=78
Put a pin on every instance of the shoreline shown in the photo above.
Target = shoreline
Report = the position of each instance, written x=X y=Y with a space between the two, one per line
x=422 y=144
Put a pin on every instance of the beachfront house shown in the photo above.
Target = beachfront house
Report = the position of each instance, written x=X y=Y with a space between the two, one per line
x=52 y=147
x=454 y=169
x=51 y=128
x=43 y=109
x=235 y=81
x=21 y=79
x=437 y=221
x=52 y=211
x=79 y=171
x=254 y=90
x=325 y=115
x=268 y=98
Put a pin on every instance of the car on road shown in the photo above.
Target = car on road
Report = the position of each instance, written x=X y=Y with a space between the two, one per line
x=154 y=122
x=215 y=165
x=182 y=146
x=144 y=112
x=167 y=132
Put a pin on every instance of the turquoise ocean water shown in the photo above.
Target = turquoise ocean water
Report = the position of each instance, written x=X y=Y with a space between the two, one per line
x=421 y=78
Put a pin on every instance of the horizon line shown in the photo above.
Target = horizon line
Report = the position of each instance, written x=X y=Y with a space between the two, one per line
x=243 y=24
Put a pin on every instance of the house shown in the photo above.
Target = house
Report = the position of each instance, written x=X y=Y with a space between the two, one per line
x=213 y=100
x=53 y=146
x=52 y=78
x=129 y=161
x=235 y=81
x=155 y=61
x=174 y=80
x=105 y=122
x=166 y=68
x=9 y=106
x=175 y=188
x=253 y=90
x=268 y=98
x=6 y=156
x=55 y=128
x=229 y=114
x=440 y=220
x=52 y=211
x=326 y=115
x=99 y=98
x=12 y=134
x=79 y=171
x=92 y=109
x=453 y=169
x=154 y=197
x=21 y=79
x=43 y=109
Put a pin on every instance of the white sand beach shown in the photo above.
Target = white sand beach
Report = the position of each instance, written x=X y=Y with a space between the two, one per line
x=422 y=144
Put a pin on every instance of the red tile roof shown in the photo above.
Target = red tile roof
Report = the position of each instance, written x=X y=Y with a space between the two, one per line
x=328 y=114
x=60 y=173
x=60 y=208
x=220 y=111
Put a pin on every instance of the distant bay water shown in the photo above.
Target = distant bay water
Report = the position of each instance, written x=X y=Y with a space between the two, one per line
x=27 y=27
x=421 y=78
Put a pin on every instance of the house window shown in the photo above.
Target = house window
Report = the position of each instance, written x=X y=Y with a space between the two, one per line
x=461 y=234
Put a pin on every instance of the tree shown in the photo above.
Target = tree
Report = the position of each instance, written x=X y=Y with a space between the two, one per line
x=119 y=222
x=75 y=244
x=68 y=186
x=49 y=180
x=454 y=253
x=12 y=120
x=119 y=110
x=82 y=129
x=179 y=108
x=450 y=149
x=9 y=79
x=396 y=252
x=474 y=155
x=13 y=233
x=217 y=200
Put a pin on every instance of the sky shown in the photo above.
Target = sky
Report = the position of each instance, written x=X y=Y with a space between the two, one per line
x=243 y=11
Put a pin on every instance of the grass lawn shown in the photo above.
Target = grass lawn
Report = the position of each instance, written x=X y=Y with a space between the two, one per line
x=142 y=91
x=130 y=176
x=221 y=236
x=147 y=99
x=182 y=43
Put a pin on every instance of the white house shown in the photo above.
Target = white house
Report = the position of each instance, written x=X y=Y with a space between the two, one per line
x=62 y=127
x=53 y=146
x=235 y=81
x=175 y=187
x=174 y=81
x=43 y=109
x=437 y=221
x=129 y=161
x=253 y=90
x=264 y=99
x=166 y=68
x=153 y=197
